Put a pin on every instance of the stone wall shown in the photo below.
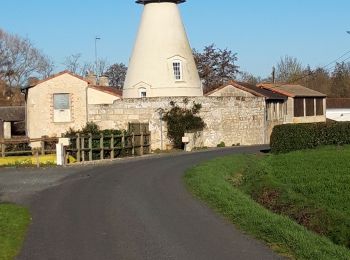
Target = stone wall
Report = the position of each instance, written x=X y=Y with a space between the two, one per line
x=40 y=107
x=233 y=120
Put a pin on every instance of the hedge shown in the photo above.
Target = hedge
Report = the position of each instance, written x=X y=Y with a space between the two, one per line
x=292 y=137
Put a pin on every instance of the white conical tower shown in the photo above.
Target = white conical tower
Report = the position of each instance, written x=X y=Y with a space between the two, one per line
x=162 y=63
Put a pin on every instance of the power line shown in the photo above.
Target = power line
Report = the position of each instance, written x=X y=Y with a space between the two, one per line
x=336 y=60
x=324 y=67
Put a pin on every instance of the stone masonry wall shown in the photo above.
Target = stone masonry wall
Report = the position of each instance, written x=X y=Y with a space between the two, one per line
x=233 y=120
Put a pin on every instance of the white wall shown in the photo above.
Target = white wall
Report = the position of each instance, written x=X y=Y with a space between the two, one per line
x=340 y=115
x=161 y=39
x=96 y=97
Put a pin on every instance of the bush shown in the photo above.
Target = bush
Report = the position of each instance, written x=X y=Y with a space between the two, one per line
x=292 y=137
x=93 y=129
x=221 y=145
x=181 y=120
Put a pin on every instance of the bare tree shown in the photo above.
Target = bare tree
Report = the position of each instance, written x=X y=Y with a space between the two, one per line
x=116 y=74
x=19 y=60
x=249 y=78
x=74 y=64
x=215 y=66
x=102 y=66
x=289 y=70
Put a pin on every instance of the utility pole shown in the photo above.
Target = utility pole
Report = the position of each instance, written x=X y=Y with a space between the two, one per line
x=273 y=75
x=96 y=60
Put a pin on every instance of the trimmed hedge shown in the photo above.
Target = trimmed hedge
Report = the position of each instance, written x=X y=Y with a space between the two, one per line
x=292 y=137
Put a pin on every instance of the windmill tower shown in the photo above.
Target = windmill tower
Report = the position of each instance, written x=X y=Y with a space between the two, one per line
x=162 y=64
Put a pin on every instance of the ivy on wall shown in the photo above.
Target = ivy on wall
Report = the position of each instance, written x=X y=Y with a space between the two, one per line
x=181 y=120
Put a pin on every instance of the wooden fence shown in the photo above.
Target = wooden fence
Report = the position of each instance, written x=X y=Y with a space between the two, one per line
x=99 y=147
x=82 y=147
x=21 y=146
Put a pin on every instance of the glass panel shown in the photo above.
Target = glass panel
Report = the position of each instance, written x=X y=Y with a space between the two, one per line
x=61 y=101
x=177 y=70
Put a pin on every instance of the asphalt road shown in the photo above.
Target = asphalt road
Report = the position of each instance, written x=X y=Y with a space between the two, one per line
x=136 y=209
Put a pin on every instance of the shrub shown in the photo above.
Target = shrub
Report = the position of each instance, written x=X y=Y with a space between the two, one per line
x=292 y=137
x=181 y=120
x=93 y=129
x=221 y=145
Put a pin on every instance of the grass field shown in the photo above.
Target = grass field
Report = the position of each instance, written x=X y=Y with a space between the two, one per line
x=267 y=196
x=14 y=221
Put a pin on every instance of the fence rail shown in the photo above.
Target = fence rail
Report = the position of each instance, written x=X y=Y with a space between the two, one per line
x=99 y=147
x=82 y=147
x=21 y=146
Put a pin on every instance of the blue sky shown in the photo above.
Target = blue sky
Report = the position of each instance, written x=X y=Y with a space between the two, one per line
x=314 y=31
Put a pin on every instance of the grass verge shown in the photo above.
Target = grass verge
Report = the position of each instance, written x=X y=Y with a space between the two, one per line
x=216 y=183
x=14 y=221
x=44 y=160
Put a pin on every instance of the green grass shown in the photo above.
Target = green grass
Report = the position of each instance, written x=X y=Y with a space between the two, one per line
x=312 y=187
x=14 y=221
x=229 y=185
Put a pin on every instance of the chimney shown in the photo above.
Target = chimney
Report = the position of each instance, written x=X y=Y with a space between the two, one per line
x=91 y=78
x=104 y=81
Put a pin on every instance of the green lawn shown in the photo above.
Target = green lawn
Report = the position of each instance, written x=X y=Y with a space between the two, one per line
x=14 y=221
x=267 y=195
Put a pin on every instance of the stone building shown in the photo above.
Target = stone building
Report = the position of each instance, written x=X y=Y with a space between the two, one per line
x=304 y=105
x=275 y=106
x=60 y=102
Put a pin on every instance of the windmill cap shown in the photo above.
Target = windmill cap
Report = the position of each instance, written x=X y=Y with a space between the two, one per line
x=159 y=1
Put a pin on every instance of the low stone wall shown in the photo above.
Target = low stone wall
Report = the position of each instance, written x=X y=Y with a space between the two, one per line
x=233 y=120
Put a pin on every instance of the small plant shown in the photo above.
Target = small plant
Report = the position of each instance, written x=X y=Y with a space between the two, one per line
x=221 y=145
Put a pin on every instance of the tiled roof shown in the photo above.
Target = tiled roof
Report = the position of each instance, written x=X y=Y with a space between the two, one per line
x=57 y=75
x=12 y=114
x=291 y=90
x=110 y=90
x=252 y=89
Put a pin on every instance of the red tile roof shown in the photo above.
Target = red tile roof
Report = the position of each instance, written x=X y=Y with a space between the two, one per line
x=252 y=89
x=109 y=90
x=57 y=75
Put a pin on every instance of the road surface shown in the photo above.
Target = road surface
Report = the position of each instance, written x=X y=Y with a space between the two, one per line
x=138 y=209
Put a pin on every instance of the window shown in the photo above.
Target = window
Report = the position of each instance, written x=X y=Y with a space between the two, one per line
x=61 y=101
x=177 y=67
x=142 y=93
x=298 y=107
x=319 y=107
x=61 y=105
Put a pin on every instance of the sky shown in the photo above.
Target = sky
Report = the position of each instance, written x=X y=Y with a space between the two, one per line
x=260 y=32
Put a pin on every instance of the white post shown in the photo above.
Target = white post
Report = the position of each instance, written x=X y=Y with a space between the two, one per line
x=59 y=154
x=7 y=130
x=61 y=151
